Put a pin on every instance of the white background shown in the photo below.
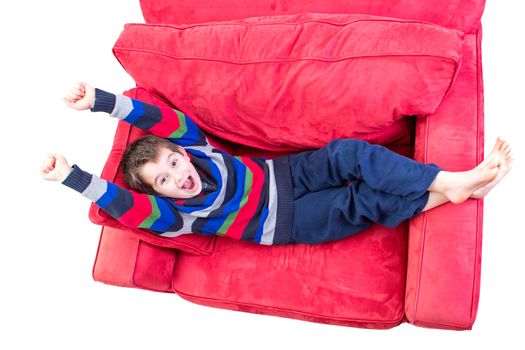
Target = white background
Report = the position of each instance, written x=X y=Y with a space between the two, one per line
x=48 y=298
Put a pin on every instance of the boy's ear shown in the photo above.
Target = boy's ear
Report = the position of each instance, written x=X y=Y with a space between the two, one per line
x=183 y=152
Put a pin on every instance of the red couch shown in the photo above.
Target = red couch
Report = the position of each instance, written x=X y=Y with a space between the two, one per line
x=425 y=272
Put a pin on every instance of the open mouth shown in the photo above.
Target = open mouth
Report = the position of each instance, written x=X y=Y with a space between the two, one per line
x=189 y=184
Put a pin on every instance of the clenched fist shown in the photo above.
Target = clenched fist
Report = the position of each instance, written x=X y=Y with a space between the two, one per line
x=80 y=97
x=55 y=168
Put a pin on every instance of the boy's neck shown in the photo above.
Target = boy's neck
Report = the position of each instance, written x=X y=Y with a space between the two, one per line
x=207 y=184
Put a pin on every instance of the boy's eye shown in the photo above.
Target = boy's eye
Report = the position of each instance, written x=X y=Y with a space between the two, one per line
x=163 y=180
x=173 y=163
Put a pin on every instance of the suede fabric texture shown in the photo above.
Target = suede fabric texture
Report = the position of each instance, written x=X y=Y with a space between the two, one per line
x=359 y=281
x=461 y=14
x=296 y=81
x=444 y=266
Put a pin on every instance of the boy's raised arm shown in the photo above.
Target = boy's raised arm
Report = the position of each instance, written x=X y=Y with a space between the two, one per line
x=130 y=208
x=161 y=121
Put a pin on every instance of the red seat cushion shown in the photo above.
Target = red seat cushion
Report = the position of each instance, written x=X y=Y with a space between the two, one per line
x=358 y=281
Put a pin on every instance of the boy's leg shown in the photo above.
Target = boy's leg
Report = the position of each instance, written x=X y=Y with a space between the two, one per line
x=435 y=199
x=348 y=159
x=338 y=212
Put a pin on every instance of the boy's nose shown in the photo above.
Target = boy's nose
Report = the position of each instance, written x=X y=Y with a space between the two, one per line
x=178 y=178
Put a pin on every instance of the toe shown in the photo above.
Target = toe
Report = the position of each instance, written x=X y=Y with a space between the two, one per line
x=497 y=144
x=502 y=144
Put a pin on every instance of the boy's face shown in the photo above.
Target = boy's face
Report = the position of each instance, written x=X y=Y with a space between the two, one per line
x=172 y=175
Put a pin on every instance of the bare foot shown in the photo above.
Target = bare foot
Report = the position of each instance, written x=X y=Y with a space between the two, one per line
x=503 y=153
x=459 y=186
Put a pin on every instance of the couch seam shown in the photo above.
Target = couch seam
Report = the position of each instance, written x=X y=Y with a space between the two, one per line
x=455 y=327
x=182 y=294
x=472 y=296
x=282 y=60
x=423 y=231
x=98 y=251
x=132 y=276
x=258 y=24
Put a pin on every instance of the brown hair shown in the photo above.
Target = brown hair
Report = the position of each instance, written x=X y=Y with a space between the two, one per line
x=139 y=153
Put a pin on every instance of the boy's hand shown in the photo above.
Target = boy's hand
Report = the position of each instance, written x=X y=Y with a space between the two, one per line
x=81 y=97
x=55 y=168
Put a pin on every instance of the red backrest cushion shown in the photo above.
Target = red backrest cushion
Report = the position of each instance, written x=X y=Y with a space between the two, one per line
x=298 y=81
x=464 y=14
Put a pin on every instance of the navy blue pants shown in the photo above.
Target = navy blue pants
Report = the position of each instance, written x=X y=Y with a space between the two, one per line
x=344 y=187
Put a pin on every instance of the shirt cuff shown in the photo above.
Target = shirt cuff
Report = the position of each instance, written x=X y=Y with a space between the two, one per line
x=78 y=179
x=104 y=101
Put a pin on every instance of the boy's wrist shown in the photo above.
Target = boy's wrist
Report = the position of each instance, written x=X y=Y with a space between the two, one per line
x=65 y=174
x=77 y=179
x=103 y=102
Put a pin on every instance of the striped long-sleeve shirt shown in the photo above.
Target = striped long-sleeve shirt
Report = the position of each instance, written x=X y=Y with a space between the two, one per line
x=252 y=199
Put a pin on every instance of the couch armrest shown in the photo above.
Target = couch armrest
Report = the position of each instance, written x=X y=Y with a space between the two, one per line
x=444 y=254
x=126 y=261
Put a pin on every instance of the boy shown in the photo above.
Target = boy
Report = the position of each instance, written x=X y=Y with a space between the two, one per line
x=184 y=185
